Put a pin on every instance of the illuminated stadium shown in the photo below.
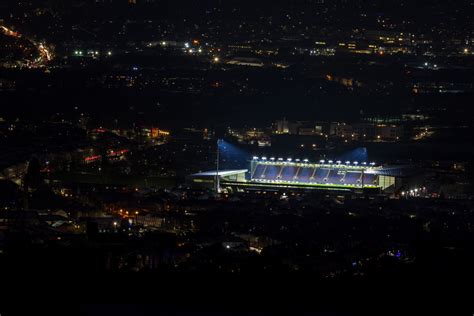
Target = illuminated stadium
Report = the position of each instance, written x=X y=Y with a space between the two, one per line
x=322 y=174
x=278 y=173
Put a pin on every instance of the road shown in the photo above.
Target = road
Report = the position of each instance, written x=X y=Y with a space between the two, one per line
x=45 y=53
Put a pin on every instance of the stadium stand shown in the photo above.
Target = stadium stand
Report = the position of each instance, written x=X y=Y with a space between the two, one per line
x=353 y=178
x=312 y=174
x=370 y=179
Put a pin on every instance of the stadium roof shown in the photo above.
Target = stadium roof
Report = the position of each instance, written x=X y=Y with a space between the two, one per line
x=221 y=173
x=398 y=171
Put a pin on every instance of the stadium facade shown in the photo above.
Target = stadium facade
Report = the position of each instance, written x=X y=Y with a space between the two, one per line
x=288 y=174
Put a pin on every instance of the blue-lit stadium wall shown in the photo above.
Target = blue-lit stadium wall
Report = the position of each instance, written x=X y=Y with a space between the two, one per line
x=232 y=156
x=358 y=154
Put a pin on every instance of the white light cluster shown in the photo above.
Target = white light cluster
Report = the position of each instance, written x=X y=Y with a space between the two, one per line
x=322 y=161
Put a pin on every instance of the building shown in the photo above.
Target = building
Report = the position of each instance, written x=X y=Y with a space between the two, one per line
x=304 y=128
x=367 y=131
x=246 y=61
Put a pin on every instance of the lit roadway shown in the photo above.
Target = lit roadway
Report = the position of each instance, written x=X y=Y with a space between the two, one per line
x=45 y=54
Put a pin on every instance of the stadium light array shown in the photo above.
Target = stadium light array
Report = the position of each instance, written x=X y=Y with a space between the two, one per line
x=289 y=159
x=355 y=163
x=272 y=159
x=255 y=158
x=297 y=160
x=264 y=158
x=322 y=161
x=348 y=162
x=338 y=162
x=372 y=163
x=280 y=159
x=305 y=160
x=330 y=161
